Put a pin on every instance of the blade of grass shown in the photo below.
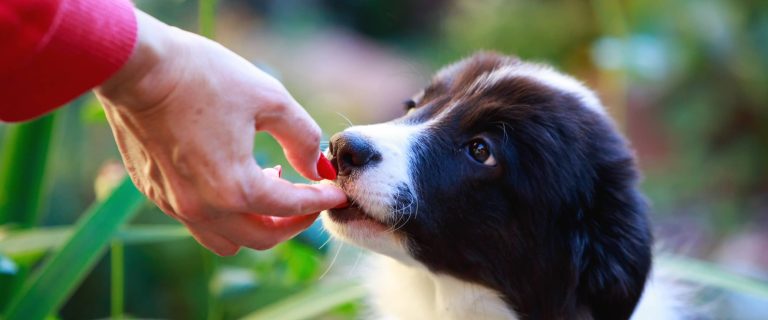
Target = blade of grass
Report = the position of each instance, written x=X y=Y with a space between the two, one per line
x=152 y=233
x=22 y=170
x=47 y=290
x=709 y=274
x=210 y=268
x=206 y=18
x=23 y=161
x=50 y=238
x=117 y=279
x=312 y=302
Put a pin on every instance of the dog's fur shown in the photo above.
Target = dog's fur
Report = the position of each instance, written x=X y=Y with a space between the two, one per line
x=550 y=225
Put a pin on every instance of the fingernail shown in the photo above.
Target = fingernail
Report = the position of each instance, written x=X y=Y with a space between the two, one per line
x=279 y=169
x=325 y=169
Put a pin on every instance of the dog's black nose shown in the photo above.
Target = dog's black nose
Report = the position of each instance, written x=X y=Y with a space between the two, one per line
x=351 y=151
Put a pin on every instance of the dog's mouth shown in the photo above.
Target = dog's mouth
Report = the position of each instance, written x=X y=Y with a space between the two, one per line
x=352 y=213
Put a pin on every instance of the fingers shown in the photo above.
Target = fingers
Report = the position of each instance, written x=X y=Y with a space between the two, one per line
x=278 y=197
x=212 y=241
x=298 y=134
x=279 y=228
x=226 y=233
x=224 y=236
x=262 y=232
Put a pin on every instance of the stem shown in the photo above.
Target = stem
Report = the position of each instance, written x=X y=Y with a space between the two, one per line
x=47 y=289
x=207 y=24
x=117 y=287
x=23 y=161
x=207 y=18
x=210 y=265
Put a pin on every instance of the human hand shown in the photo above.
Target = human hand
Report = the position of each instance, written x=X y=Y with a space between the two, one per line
x=184 y=111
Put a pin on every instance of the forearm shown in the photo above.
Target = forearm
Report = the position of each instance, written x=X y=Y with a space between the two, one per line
x=55 y=50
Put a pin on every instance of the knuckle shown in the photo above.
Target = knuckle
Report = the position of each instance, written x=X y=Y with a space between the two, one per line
x=276 y=206
x=313 y=137
x=234 y=196
x=298 y=207
x=279 y=101
x=261 y=246
x=191 y=210
x=226 y=251
x=229 y=201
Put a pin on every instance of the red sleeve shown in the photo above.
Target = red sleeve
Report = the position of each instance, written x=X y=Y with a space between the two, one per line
x=52 y=51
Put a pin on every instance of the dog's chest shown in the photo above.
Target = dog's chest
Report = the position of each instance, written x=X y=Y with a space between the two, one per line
x=410 y=292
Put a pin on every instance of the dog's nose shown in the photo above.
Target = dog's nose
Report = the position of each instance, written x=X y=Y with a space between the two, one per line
x=351 y=151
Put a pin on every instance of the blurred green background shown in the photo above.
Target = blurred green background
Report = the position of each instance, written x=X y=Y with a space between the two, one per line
x=686 y=80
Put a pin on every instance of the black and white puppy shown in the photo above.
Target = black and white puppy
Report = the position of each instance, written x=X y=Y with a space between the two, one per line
x=505 y=192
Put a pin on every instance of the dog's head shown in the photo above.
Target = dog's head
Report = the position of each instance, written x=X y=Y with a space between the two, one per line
x=507 y=174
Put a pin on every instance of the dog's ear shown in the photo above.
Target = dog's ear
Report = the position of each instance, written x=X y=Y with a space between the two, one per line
x=615 y=255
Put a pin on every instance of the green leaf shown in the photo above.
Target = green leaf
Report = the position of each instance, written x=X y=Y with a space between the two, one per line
x=92 y=112
x=312 y=302
x=47 y=289
x=138 y=234
x=207 y=18
x=23 y=161
x=34 y=240
x=710 y=274
x=49 y=238
x=117 y=280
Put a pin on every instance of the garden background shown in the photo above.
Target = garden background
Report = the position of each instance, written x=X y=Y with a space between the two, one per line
x=686 y=80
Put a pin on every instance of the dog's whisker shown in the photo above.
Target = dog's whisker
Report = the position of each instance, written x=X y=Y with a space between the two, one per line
x=333 y=261
x=324 y=243
x=345 y=118
x=402 y=212
x=397 y=214
x=357 y=260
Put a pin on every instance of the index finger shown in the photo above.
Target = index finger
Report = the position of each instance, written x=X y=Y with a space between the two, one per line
x=298 y=134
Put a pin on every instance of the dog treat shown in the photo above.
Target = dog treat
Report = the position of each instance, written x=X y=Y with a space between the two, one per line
x=325 y=169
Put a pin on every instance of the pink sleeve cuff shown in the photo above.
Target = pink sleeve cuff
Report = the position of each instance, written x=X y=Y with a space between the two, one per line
x=88 y=41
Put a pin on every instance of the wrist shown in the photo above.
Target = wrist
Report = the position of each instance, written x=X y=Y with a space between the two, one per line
x=135 y=85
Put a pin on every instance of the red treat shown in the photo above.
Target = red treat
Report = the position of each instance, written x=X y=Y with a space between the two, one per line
x=325 y=169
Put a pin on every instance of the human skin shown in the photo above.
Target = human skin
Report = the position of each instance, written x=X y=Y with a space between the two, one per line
x=184 y=111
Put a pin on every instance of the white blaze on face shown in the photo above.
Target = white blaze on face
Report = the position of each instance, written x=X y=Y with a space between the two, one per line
x=375 y=188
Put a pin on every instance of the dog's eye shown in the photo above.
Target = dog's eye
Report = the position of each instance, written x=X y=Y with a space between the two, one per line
x=409 y=105
x=480 y=151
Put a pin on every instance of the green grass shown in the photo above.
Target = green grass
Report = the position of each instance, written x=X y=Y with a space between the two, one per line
x=49 y=287
x=117 y=279
x=23 y=162
x=311 y=303
x=711 y=275
x=41 y=267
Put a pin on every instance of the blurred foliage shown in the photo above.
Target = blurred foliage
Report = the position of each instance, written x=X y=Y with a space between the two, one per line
x=699 y=68
x=685 y=79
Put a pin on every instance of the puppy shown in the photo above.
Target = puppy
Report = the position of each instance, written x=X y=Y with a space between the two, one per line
x=505 y=192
